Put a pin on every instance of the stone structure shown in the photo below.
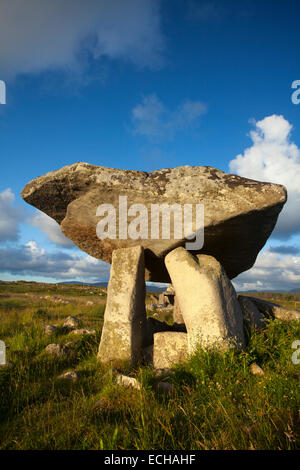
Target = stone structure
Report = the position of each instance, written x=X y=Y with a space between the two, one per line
x=240 y=213
x=207 y=300
x=170 y=347
x=239 y=216
x=125 y=317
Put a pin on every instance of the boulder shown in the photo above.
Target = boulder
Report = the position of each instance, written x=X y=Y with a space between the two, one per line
x=170 y=347
x=207 y=300
x=253 y=318
x=57 y=350
x=126 y=381
x=240 y=213
x=124 y=326
x=70 y=376
x=255 y=369
x=49 y=329
x=84 y=331
x=271 y=310
x=71 y=322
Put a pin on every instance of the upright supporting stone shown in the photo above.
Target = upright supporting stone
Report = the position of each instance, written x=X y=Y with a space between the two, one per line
x=125 y=317
x=207 y=300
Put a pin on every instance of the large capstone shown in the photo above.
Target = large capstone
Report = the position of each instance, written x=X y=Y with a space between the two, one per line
x=240 y=213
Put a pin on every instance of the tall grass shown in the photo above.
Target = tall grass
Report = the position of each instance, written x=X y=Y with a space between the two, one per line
x=215 y=404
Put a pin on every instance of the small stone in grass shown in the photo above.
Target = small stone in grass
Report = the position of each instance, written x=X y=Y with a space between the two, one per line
x=58 y=350
x=256 y=370
x=127 y=381
x=71 y=375
x=165 y=387
x=71 y=322
x=49 y=329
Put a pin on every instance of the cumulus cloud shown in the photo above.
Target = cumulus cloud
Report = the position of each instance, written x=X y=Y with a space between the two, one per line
x=30 y=260
x=10 y=216
x=39 y=35
x=155 y=121
x=272 y=271
x=273 y=157
x=51 y=229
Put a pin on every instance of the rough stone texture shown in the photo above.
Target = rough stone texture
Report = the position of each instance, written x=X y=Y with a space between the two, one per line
x=49 y=329
x=240 y=213
x=125 y=317
x=58 y=350
x=84 y=331
x=170 y=347
x=256 y=370
x=154 y=326
x=253 y=318
x=127 y=381
x=177 y=315
x=207 y=300
x=271 y=310
x=71 y=322
x=72 y=376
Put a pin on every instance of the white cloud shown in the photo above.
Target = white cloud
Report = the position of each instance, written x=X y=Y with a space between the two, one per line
x=152 y=119
x=272 y=271
x=10 y=216
x=30 y=260
x=51 y=229
x=274 y=158
x=37 y=35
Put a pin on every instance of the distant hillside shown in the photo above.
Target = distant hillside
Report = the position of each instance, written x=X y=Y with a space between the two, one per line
x=150 y=287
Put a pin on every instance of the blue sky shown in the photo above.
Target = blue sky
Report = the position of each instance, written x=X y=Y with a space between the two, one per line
x=146 y=84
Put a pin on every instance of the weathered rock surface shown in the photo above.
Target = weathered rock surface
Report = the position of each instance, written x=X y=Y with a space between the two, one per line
x=170 y=347
x=58 y=350
x=84 y=331
x=271 y=310
x=253 y=318
x=207 y=300
x=126 y=381
x=125 y=317
x=49 y=329
x=240 y=213
x=70 y=376
x=255 y=369
x=71 y=322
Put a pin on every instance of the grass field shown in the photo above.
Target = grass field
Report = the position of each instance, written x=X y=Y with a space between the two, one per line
x=215 y=404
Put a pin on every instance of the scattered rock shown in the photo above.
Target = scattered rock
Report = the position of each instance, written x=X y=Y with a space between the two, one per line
x=170 y=347
x=271 y=310
x=72 y=376
x=125 y=316
x=58 y=350
x=71 y=322
x=49 y=329
x=253 y=318
x=240 y=213
x=256 y=370
x=207 y=300
x=165 y=387
x=127 y=381
x=84 y=331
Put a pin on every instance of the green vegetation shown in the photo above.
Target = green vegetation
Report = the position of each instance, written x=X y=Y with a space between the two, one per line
x=216 y=403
